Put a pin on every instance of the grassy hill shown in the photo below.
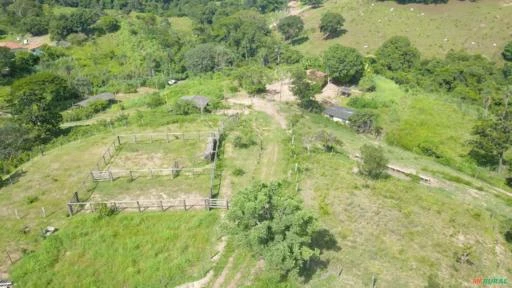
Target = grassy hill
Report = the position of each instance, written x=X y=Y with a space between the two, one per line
x=434 y=29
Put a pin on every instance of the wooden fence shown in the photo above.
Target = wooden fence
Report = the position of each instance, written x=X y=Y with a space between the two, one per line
x=165 y=137
x=152 y=205
x=111 y=175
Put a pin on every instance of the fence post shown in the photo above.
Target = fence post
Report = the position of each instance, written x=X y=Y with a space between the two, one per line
x=207 y=204
x=138 y=206
x=16 y=213
x=167 y=137
x=118 y=140
x=43 y=212
x=70 y=209
x=111 y=177
x=131 y=175
x=76 y=197
x=161 y=205
x=185 y=204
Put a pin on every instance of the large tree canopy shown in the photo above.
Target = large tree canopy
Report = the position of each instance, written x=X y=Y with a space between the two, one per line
x=36 y=102
x=331 y=24
x=290 y=27
x=343 y=64
x=208 y=57
x=397 y=54
x=273 y=223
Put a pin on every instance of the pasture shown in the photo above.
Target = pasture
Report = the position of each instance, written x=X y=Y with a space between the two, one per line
x=481 y=27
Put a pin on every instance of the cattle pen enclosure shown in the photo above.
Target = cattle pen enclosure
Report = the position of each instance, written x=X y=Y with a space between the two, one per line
x=153 y=171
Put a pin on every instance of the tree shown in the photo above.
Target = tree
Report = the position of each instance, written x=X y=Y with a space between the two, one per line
x=37 y=100
x=35 y=25
x=364 y=122
x=507 y=52
x=7 y=63
x=290 y=27
x=208 y=57
x=343 y=64
x=106 y=24
x=373 y=162
x=253 y=79
x=305 y=91
x=331 y=24
x=397 y=54
x=14 y=140
x=493 y=137
x=273 y=224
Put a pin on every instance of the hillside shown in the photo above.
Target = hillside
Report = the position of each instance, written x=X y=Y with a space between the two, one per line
x=434 y=29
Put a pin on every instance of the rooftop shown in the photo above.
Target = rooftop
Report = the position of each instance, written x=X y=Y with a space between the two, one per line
x=339 y=112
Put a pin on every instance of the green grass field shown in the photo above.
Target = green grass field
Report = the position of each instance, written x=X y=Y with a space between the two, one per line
x=128 y=250
x=478 y=27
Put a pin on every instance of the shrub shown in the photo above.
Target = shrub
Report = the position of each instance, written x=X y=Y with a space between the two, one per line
x=85 y=113
x=367 y=83
x=77 y=38
x=31 y=199
x=104 y=210
x=155 y=100
x=373 y=162
x=184 y=108
x=238 y=172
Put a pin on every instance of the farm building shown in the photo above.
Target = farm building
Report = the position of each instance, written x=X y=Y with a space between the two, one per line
x=339 y=114
x=109 y=97
x=199 y=101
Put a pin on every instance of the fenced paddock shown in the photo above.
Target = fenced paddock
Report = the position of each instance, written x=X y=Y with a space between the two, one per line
x=178 y=165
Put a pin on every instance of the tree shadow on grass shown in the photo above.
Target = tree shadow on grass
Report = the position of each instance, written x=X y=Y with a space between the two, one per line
x=13 y=178
x=336 y=34
x=299 y=40
x=322 y=240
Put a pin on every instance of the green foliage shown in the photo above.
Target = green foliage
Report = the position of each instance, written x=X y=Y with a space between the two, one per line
x=83 y=113
x=238 y=172
x=76 y=38
x=15 y=139
x=36 y=26
x=31 y=199
x=245 y=32
x=155 y=100
x=104 y=210
x=326 y=141
x=365 y=122
x=79 y=21
x=252 y=78
x=7 y=64
x=373 y=162
x=343 y=64
x=208 y=57
x=313 y=3
x=290 y=27
x=493 y=137
x=273 y=224
x=182 y=107
x=331 y=24
x=106 y=24
x=397 y=54
x=507 y=51
x=367 y=83
x=36 y=101
x=305 y=91
x=245 y=136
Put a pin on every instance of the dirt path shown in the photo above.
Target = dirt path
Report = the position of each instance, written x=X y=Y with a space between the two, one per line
x=262 y=105
x=224 y=273
x=206 y=279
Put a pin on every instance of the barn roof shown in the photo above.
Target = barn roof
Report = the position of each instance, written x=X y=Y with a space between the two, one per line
x=102 y=96
x=199 y=101
x=339 y=112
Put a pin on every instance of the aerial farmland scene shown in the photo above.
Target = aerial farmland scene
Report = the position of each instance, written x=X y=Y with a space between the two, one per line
x=256 y=143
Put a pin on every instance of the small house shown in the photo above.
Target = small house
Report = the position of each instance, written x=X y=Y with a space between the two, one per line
x=108 y=97
x=199 y=101
x=339 y=114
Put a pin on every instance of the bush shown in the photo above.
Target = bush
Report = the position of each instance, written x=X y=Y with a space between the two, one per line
x=104 y=210
x=31 y=199
x=155 y=100
x=184 y=108
x=373 y=163
x=85 y=113
x=507 y=52
x=367 y=83
x=238 y=172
